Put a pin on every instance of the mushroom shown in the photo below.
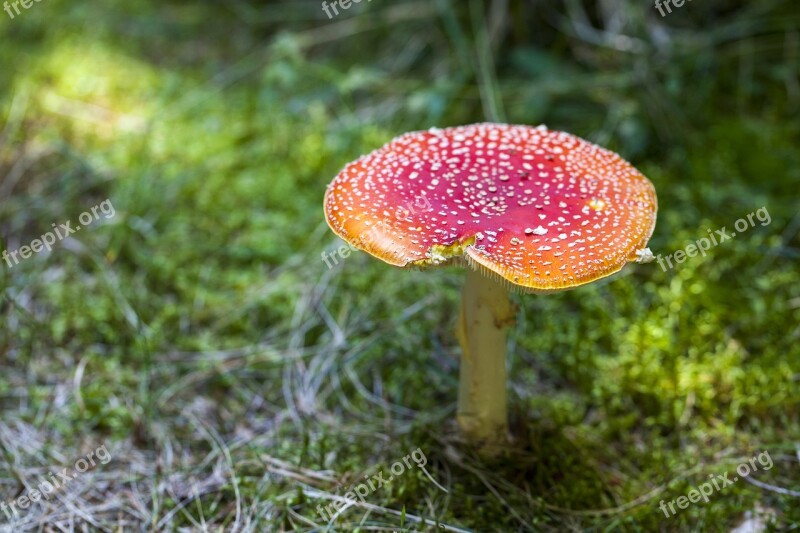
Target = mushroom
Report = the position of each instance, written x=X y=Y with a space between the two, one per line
x=525 y=208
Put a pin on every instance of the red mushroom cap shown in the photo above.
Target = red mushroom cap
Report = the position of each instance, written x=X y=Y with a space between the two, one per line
x=541 y=209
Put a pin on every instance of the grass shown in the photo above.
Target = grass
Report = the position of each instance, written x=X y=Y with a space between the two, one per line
x=238 y=383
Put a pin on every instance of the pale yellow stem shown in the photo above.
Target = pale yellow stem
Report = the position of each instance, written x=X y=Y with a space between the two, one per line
x=486 y=313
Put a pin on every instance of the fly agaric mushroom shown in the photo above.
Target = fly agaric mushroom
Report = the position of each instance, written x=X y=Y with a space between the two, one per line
x=524 y=208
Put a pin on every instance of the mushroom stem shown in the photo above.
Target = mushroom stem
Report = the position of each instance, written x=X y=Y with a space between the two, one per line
x=486 y=312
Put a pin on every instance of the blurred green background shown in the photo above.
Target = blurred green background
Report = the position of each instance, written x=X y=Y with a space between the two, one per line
x=239 y=383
